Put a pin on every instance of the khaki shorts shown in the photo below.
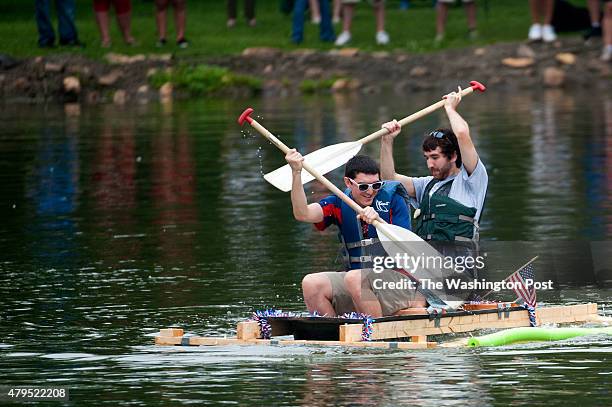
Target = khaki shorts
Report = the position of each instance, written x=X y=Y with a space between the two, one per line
x=392 y=289
x=341 y=298
x=391 y=299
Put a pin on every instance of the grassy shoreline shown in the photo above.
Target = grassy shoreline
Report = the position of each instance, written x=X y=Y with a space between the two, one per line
x=411 y=31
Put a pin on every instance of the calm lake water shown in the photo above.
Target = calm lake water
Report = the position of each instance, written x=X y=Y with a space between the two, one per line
x=116 y=222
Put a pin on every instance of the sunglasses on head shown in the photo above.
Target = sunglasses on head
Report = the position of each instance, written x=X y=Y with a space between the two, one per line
x=437 y=134
x=363 y=186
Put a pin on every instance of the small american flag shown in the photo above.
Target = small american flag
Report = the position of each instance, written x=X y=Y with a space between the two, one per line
x=524 y=292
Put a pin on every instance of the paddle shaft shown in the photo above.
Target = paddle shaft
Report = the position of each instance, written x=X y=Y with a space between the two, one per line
x=334 y=189
x=413 y=117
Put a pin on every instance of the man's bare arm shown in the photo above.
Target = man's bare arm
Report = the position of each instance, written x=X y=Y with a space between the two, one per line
x=302 y=211
x=469 y=156
x=387 y=165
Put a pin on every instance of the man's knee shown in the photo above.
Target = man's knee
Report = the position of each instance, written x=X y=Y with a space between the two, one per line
x=352 y=281
x=313 y=284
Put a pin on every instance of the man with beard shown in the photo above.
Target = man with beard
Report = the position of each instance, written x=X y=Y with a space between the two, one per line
x=449 y=202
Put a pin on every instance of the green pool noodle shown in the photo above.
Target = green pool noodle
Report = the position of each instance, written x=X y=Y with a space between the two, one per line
x=515 y=335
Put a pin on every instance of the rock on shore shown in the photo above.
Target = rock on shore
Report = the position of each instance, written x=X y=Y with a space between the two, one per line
x=119 y=78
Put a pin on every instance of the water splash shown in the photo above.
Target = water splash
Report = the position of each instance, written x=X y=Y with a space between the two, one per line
x=259 y=154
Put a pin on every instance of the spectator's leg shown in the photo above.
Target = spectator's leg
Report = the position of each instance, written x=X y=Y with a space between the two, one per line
x=382 y=38
x=123 y=9
x=161 y=8
x=470 y=12
x=535 y=7
x=46 y=35
x=180 y=18
x=595 y=16
x=231 y=13
x=441 y=15
x=249 y=12
x=548 y=32
x=315 y=12
x=347 y=20
x=297 y=28
x=347 y=17
x=337 y=10
x=65 y=17
x=326 y=29
x=101 y=11
x=593 y=6
x=607 y=32
x=535 y=31
x=379 y=12
x=549 y=9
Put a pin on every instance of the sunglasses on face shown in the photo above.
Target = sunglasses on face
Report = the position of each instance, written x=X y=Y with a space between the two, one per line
x=363 y=186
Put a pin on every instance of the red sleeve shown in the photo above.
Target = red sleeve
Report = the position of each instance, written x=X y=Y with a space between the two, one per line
x=332 y=214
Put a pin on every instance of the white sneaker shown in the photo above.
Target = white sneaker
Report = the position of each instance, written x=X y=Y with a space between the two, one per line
x=548 y=33
x=343 y=38
x=535 y=32
x=382 y=38
x=606 y=54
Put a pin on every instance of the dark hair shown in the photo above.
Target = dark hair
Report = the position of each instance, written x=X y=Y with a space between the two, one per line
x=361 y=163
x=448 y=144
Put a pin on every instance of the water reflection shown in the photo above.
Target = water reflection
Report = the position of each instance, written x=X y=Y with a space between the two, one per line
x=52 y=192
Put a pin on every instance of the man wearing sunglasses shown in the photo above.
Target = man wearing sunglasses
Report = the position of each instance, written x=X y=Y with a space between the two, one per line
x=449 y=202
x=326 y=292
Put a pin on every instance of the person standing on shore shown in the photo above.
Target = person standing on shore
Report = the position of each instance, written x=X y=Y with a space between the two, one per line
x=249 y=12
x=442 y=14
x=595 y=16
x=326 y=30
x=68 y=35
x=348 y=9
x=606 y=55
x=541 y=16
x=180 y=19
x=123 y=10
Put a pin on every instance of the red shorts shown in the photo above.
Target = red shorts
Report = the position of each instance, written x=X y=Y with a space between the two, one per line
x=121 y=6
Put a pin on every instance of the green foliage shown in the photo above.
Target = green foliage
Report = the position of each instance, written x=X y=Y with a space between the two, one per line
x=203 y=79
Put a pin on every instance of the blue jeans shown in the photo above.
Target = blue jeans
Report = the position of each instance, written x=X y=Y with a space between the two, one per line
x=326 y=30
x=65 y=18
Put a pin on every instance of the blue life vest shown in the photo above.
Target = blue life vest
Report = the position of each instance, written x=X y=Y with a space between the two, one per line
x=358 y=250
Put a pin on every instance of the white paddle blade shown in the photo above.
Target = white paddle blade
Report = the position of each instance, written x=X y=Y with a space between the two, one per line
x=324 y=160
x=418 y=257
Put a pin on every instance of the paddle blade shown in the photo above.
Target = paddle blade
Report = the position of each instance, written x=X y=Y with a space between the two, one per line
x=324 y=160
x=423 y=261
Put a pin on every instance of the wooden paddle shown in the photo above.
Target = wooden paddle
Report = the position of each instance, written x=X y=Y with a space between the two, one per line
x=394 y=239
x=331 y=157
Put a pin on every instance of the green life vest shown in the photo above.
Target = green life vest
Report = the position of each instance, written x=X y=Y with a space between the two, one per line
x=444 y=219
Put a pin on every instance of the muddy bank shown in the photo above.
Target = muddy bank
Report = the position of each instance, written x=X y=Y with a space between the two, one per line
x=568 y=63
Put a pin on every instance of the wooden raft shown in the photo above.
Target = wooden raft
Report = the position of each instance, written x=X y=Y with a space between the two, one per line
x=415 y=327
